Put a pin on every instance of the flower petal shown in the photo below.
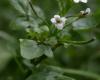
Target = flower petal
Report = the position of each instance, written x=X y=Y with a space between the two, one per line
x=88 y=10
x=84 y=1
x=56 y=16
x=63 y=19
x=82 y=12
x=76 y=1
x=53 y=20
x=59 y=26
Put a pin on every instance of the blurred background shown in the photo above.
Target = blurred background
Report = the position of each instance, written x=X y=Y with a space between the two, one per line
x=84 y=57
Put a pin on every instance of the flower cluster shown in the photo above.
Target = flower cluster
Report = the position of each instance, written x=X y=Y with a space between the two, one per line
x=59 y=22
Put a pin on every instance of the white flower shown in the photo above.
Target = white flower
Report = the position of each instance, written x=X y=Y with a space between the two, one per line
x=77 y=1
x=58 y=21
x=86 y=12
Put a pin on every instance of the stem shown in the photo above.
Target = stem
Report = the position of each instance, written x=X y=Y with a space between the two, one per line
x=72 y=42
x=77 y=72
x=70 y=16
x=19 y=64
x=27 y=12
x=79 y=42
x=60 y=5
x=30 y=3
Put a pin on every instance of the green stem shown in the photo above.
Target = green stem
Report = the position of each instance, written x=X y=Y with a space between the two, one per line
x=77 y=72
x=27 y=12
x=70 y=16
x=19 y=64
x=32 y=7
x=30 y=3
x=79 y=42
x=60 y=6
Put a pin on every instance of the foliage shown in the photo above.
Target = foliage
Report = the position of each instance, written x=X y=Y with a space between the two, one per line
x=32 y=48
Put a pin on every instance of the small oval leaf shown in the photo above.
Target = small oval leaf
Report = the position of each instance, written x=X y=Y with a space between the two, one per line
x=30 y=49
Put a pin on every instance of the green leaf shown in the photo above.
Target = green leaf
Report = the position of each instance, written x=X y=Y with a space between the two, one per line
x=71 y=20
x=19 y=5
x=57 y=76
x=29 y=49
x=48 y=75
x=23 y=7
x=22 y=23
x=51 y=41
x=64 y=34
x=44 y=28
x=84 y=24
x=8 y=46
x=39 y=12
x=85 y=74
x=47 y=51
x=28 y=63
